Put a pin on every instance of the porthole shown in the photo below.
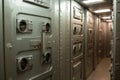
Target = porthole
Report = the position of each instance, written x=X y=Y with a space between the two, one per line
x=24 y=64
x=22 y=26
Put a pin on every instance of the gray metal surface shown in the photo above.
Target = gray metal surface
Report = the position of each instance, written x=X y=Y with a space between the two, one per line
x=116 y=42
x=31 y=39
x=68 y=40
x=56 y=38
x=1 y=44
x=77 y=37
x=65 y=52
x=85 y=46
x=90 y=43
x=65 y=40
x=96 y=41
x=62 y=31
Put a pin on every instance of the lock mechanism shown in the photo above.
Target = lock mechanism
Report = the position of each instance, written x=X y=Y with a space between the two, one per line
x=24 y=63
x=24 y=26
x=80 y=47
x=80 y=30
x=74 y=49
x=46 y=27
x=74 y=30
x=47 y=56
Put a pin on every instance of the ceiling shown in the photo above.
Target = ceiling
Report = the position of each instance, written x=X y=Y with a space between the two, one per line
x=99 y=5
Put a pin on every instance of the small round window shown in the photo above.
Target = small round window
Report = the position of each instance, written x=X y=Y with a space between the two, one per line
x=22 y=25
x=24 y=64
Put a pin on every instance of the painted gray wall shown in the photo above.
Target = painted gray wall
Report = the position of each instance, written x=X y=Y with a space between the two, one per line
x=1 y=45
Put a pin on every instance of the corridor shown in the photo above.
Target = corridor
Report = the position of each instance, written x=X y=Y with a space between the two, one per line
x=102 y=71
x=59 y=39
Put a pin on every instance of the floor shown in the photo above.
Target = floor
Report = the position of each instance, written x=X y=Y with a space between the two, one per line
x=102 y=71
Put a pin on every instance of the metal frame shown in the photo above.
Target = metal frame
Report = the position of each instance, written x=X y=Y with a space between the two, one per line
x=68 y=40
x=64 y=40
x=1 y=43
x=94 y=50
x=116 y=41
x=56 y=38
x=85 y=44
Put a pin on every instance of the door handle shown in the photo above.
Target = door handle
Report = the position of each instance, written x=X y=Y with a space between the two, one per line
x=43 y=75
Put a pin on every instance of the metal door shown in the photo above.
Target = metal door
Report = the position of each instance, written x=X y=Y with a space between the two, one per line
x=1 y=44
x=101 y=40
x=90 y=43
x=77 y=34
x=31 y=40
x=96 y=41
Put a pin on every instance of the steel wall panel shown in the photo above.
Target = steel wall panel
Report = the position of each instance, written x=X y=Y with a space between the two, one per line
x=56 y=38
x=67 y=41
x=106 y=41
x=77 y=37
x=1 y=43
x=64 y=40
x=101 y=37
x=116 y=42
x=109 y=36
x=31 y=39
x=90 y=43
x=96 y=41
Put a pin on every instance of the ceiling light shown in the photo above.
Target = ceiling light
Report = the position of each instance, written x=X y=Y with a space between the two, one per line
x=92 y=1
x=107 y=17
x=102 y=10
x=109 y=20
